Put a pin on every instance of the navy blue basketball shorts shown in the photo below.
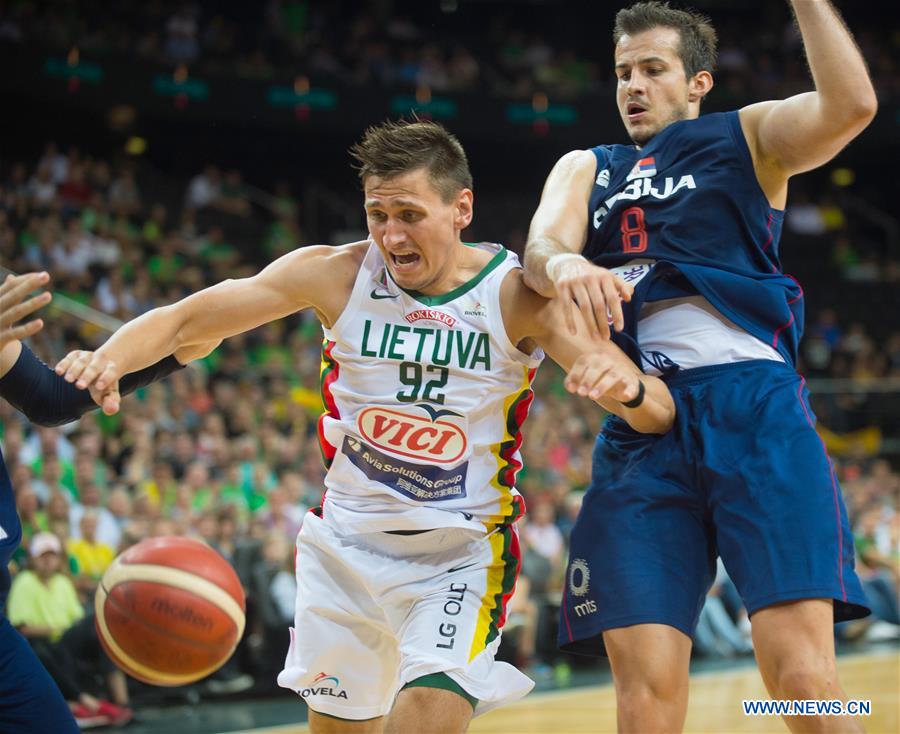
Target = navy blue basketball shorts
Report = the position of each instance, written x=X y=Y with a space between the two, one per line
x=743 y=475
x=30 y=701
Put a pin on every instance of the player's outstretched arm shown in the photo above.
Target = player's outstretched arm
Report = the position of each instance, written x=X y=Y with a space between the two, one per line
x=47 y=399
x=802 y=132
x=554 y=265
x=312 y=277
x=33 y=388
x=596 y=370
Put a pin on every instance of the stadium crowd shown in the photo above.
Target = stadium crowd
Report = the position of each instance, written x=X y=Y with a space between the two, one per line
x=507 y=52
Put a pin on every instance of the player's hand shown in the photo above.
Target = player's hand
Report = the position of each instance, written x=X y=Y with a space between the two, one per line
x=596 y=292
x=87 y=369
x=15 y=305
x=597 y=375
x=109 y=400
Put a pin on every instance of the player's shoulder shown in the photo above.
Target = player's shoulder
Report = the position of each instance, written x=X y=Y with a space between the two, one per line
x=350 y=253
x=579 y=160
x=335 y=261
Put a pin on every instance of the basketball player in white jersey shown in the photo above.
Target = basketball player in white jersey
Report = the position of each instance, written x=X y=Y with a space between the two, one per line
x=430 y=348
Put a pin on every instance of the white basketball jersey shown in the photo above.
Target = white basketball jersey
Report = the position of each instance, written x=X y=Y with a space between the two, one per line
x=424 y=397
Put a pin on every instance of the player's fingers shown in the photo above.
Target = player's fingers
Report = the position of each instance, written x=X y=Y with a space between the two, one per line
x=111 y=402
x=628 y=388
x=63 y=365
x=575 y=378
x=9 y=283
x=108 y=377
x=626 y=290
x=598 y=324
x=605 y=386
x=614 y=304
x=21 y=310
x=24 y=330
x=89 y=374
x=597 y=328
x=584 y=374
x=16 y=287
x=567 y=298
x=80 y=361
x=593 y=377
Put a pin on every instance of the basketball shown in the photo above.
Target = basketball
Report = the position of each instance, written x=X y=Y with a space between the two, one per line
x=169 y=611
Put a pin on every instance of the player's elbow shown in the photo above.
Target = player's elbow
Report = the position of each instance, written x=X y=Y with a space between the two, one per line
x=867 y=107
x=861 y=107
x=667 y=418
x=661 y=418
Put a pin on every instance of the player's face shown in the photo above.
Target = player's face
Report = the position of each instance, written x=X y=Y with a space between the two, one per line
x=652 y=90
x=415 y=229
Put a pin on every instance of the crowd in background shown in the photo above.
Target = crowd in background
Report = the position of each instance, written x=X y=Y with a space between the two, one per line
x=402 y=44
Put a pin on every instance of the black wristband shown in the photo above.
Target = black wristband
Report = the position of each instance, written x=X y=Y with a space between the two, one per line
x=634 y=403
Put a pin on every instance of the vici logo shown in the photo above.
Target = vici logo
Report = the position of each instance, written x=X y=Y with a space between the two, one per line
x=414 y=436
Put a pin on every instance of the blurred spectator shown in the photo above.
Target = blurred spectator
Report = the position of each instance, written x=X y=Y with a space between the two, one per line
x=232 y=196
x=124 y=196
x=204 y=189
x=107 y=530
x=92 y=556
x=542 y=535
x=181 y=37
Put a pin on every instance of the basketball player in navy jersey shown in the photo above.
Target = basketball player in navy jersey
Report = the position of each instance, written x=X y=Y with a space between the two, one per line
x=30 y=701
x=674 y=241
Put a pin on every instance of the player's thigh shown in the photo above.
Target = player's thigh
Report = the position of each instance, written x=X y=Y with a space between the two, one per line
x=781 y=525
x=795 y=636
x=640 y=551
x=30 y=701
x=654 y=654
x=343 y=657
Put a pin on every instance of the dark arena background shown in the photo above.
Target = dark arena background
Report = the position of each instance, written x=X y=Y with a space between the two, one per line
x=149 y=149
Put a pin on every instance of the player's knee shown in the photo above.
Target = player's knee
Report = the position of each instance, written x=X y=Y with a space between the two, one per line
x=651 y=708
x=807 y=679
x=448 y=711
x=651 y=689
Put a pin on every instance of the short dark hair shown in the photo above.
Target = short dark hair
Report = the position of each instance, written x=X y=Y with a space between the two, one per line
x=697 y=47
x=394 y=148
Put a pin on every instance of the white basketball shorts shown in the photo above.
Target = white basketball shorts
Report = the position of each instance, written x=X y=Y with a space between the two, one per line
x=378 y=610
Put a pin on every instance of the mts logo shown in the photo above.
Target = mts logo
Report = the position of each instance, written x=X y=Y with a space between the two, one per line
x=586 y=607
x=414 y=436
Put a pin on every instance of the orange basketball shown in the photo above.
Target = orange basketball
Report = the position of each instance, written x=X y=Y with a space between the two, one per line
x=169 y=611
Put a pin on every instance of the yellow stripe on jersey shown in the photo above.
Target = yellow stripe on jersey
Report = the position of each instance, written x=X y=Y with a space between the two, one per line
x=515 y=410
x=501 y=580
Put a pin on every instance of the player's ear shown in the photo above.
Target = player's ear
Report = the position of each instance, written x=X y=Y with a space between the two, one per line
x=464 y=209
x=699 y=86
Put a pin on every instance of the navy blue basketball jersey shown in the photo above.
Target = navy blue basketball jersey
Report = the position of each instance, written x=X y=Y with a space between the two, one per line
x=10 y=531
x=690 y=201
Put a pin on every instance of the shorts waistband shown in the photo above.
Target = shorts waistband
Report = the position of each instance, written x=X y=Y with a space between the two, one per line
x=699 y=374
